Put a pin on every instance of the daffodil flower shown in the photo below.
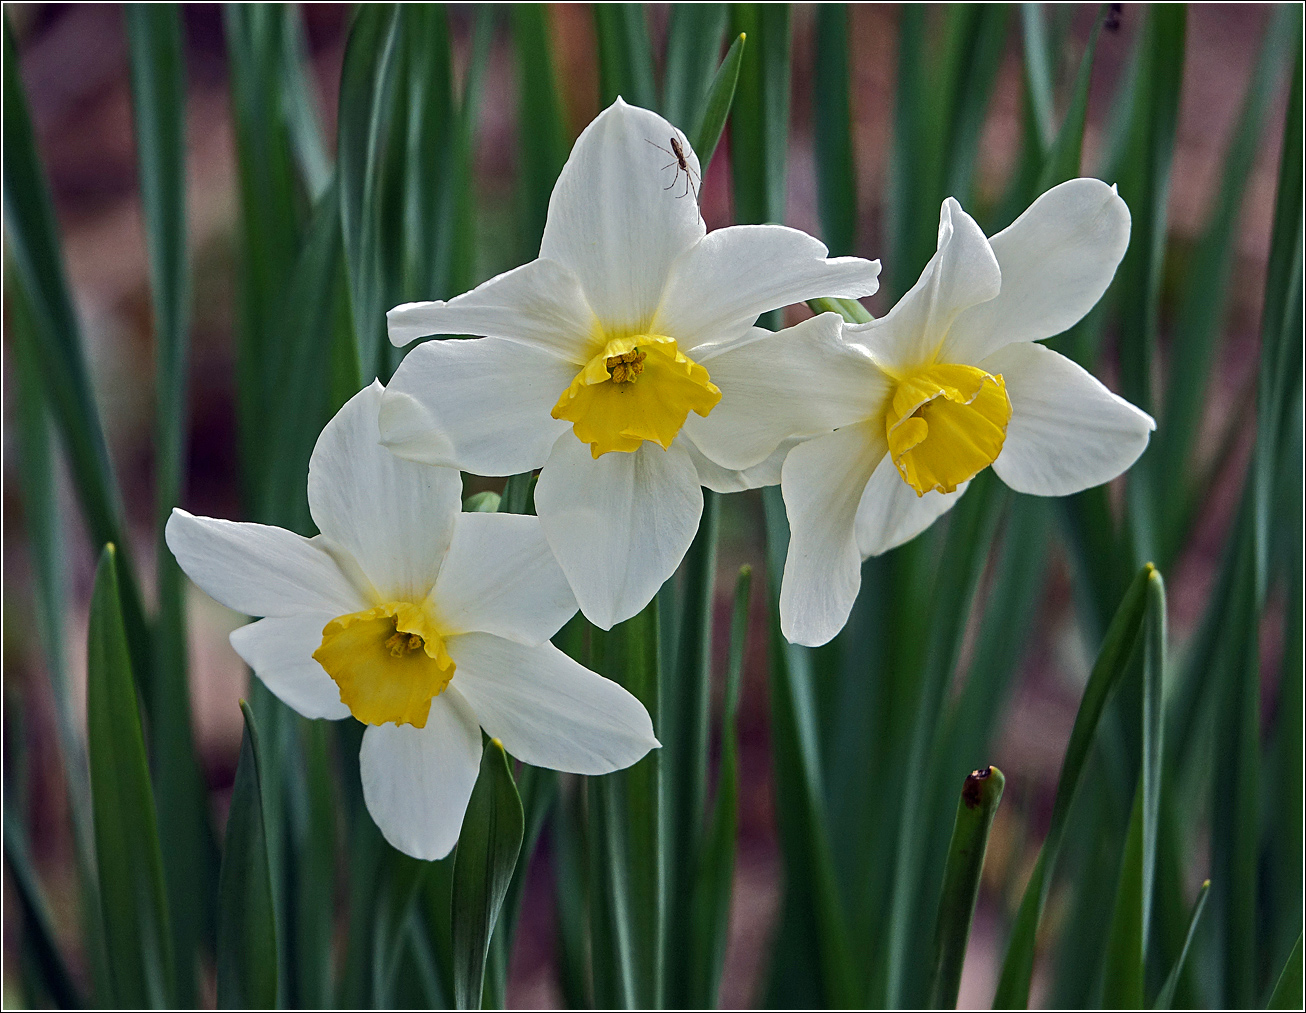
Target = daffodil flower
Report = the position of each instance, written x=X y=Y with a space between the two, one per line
x=951 y=381
x=423 y=622
x=623 y=362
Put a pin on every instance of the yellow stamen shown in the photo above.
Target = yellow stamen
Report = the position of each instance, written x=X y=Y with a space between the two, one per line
x=610 y=411
x=946 y=424
x=389 y=662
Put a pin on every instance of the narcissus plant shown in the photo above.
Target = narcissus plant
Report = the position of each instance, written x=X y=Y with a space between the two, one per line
x=425 y=623
x=951 y=381
x=622 y=362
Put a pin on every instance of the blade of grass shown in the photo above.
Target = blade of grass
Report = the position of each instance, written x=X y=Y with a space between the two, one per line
x=1165 y=998
x=836 y=175
x=961 y=881
x=1287 y=992
x=368 y=97
x=811 y=887
x=1112 y=661
x=625 y=55
x=37 y=927
x=158 y=80
x=1203 y=304
x=542 y=138
x=133 y=900
x=36 y=266
x=1126 y=945
x=709 y=926
x=716 y=105
x=694 y=36
x=483 y=864
x=247 y=931
x=759 y=131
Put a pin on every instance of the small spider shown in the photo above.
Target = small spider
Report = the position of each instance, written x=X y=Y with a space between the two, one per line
x=681 y=163
x=1112 y=22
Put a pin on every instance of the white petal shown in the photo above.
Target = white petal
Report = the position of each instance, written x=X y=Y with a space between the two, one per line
x=481 y=405
x=1056 y=259
x=394 y=517
x=721 y=285
x=280 y=650
x=416 y=781
x=1067 y=431
x=891 y=513
x=719 y=479
x=546 y=709
x=822 y=484
x=500 y=577
x=540 y=303
x=611 y=220
x=962 y=273
x=798 y=382
x=260 y=570
x=619 y=526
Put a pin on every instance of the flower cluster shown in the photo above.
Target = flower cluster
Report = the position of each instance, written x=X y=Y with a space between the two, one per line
x=624 y=363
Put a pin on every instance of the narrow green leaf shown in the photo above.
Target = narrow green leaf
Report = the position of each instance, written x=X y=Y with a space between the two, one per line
x=1204 y=302
x=851 y=310
x=1287 y=992
x=1112 y=661
x=299 y=106
x=310 y=935
x=35 y=266
x=1039 y=83
x=542 y=140
x=1065 y=153
x=685 y=740
x=625 y=55
x=158 y=80
x=1165 y=999
x=1124 y=973
x=247 y=931
x=710 y=922
x=37 y=928
x=694 y=36
x=712 y=113
x=367 y=114
x=132 y=898
x=759 y=131
x=487 y=854
x=811 y=886
x=976 y=808
x=836 y=176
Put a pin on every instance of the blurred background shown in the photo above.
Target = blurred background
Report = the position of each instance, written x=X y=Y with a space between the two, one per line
x=75 y=70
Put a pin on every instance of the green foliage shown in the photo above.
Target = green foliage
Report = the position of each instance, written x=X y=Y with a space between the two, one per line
x=1180 y=747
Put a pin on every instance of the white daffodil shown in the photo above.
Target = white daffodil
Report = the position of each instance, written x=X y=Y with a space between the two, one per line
x=423 y=622
x=623 y=362
x=951 y=381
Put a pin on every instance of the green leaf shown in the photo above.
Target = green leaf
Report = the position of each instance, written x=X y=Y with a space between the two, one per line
x=367 y=113
x=1205 y=298
x=487 y=854
x=1065 y=153
x=37 y=928
x=35 y=266
x=836 y=176
x=811 y=887
x=1165 y=999
x=132 y=898
x=247 y=931
x=158 y=79
x=1126 y=945
x=759 y=131
x=685 y=738
x=712 y=113
x=1287 y=992
x=1110 y=666
x=709 y=927
x=976 y=808
x=625 y=55
x=542 y=142
x=694 y=36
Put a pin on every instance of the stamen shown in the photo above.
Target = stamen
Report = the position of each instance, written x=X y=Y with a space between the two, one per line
x=624 y=368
